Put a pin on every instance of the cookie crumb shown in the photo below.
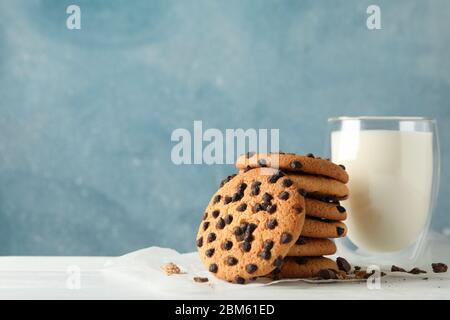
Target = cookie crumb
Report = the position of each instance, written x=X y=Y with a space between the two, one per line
x=416 y=271
x=201 y=279
x=357 y=268
x=394 y=268
x=171 y=268
x=439 y=267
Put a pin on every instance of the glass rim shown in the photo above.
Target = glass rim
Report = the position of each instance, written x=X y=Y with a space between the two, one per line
x=382 y=118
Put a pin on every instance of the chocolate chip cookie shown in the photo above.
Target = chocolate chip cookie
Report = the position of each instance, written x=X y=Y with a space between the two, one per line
x=312 y=247
x=305 y=267
x=249 y=225
x=319 y=228
x=295 y=163
x=325 y=210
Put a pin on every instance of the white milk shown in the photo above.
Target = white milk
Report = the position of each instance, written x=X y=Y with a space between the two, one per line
x=390 y=185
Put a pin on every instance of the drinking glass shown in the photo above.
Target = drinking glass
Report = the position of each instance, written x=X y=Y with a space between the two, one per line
x=393 y=164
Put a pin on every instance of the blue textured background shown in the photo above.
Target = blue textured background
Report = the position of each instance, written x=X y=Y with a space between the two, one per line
x=86 y=116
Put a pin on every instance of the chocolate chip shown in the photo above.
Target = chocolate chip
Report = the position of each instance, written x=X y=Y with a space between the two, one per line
x=343 y=264
x=299 y=210
x=205 y=225
x=258 y=207
x=231 y=261
x=228 y=219
x=217 y=198
x=300 y=241
x=256 y=184
x=302 y=192
x=242 y=187
x=278 y=262
x=439 y=267
x=255 y=191
x=340 y=231
x=247 y=168
x=327 y=274
x=396 y=269
x=220 y=224
x=241 y=207
x=246 y=246
x=252 y=227
x=287 y=182
x=227 y=179
x=211 y=237
x=244 y=226
x=310 y=155
x=264 y=206
x=238 y=231
x=201 y=279
x=251 y=268
x=209 y=253
x=341 y=209
x=271 y=224
x=200 y=242
x=227 y=200
x=267 y=197
x=274 y=178
x=300 y=260
x=342 y=166
x=268 y=245
x=239 y=280
x=237 y=196
x=295 y=164
x=249 y=154
x=215 y=213
x=205 y=215
x=262 y=163
x=272 y=208
x=285 y=238
x=357 y=268
x=284 y=195
x=416 y=271
x=265 y=254
x=248 y=237
x=213 y=268
x=227 y=245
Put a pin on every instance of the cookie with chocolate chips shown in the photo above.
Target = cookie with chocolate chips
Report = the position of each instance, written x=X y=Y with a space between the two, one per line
x=305 y=267
x=312 y=247
x=322 y=228
x=255 y=222
x=325 y=210
x=294 y=163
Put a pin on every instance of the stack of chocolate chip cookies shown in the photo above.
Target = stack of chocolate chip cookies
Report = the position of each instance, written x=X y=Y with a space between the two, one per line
x=274 y=218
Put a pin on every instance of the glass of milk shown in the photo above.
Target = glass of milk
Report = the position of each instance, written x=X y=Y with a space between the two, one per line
x=393 y=164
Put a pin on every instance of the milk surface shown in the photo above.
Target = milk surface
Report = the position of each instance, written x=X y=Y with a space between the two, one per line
x=390 y=185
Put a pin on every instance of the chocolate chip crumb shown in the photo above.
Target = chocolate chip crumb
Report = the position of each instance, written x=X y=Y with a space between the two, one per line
x=439 y=267
x=171 y=268
x=343 y=264
x=201 y=279
x=394 y=268
x=416 y=271
x=327 y=274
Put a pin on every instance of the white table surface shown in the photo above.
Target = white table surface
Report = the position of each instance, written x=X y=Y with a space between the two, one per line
x=46 y=278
